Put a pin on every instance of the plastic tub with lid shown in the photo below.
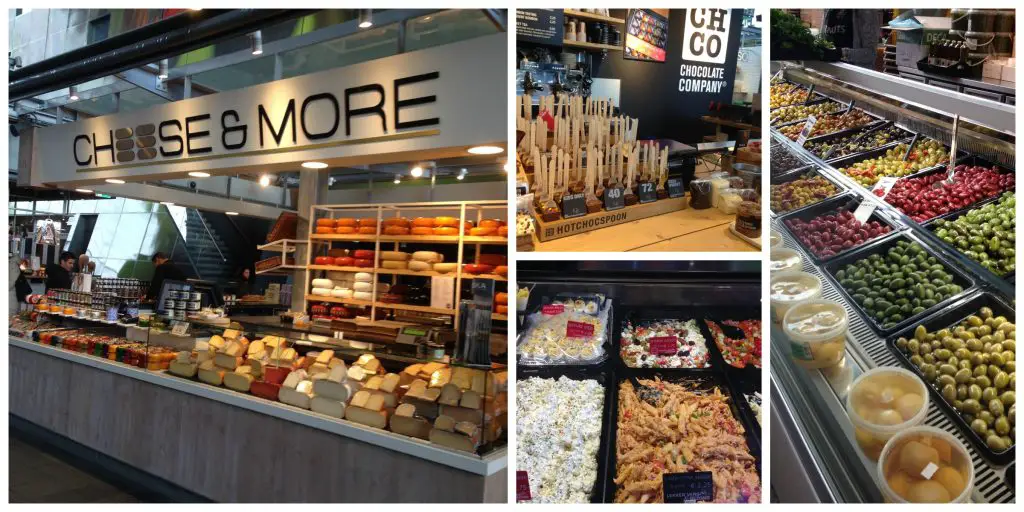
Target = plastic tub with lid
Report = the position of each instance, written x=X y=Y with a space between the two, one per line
x=883 y=402
x=925 y=465
x=817 y=332
x=789 y=288
x=775 y=240
x=784 y=258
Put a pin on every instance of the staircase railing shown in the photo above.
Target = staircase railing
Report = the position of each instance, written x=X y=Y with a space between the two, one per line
x=209 y=235
x=181 y=237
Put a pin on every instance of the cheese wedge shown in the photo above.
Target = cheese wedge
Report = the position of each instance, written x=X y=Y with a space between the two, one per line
x=227 y=361
x=214 y=377
x=333 y=390
x=325 y=357
x=409 y=426
x=413 y=369
x=335 y=362
x=216 y=342
x=406 y=410
x=318 y=368
x=356 y=373
x=207 y=365
x=461 y=414
x=444 y=423
x=327 y=406
x=453 y=440
x=256 y=347
x=441 y=377
x=360 y=399
x=389 y=400
x=256 y=366
x=238 y=381
x=373 y=383
x=232 y=348
x=467 y=428
x=462 y=377
x=337 y=373
x=479 y=382
x=417 y=386
x=375 y=402
x=363 y=359
x=390 y=382
x=470 y=400
x=205 y=355
x=293 y=379
x=183 y=369
x=430 y=368
x=376 y=419
x=431 y=394
x=372 y=366
x=294 y=397
x=245 y=369
x=305 y=386
x=231 y=333
x=424 y=408
x=450 y=395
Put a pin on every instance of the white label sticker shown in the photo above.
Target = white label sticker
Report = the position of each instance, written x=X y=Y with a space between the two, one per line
x=929 y=470
x=706 y=33
x=883 y=186
x=339 y=335
x=864 y=211
x=806 y=132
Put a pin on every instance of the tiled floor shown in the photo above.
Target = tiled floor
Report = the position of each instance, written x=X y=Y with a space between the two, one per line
x=38 y=477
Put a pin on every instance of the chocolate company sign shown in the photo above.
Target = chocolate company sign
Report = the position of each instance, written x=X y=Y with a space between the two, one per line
x=420 y=105
x=705 y=50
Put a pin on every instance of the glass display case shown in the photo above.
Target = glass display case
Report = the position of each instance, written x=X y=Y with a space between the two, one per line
x=607 y=347
x=917 y=273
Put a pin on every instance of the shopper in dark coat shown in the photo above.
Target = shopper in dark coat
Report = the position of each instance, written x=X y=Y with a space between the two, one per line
x=165 y=269
x=58 y=275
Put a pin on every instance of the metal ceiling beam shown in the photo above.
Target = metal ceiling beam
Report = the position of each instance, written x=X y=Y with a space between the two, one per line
x=144 y=79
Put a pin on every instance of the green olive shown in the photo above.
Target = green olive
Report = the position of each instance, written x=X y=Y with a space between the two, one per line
x=963 y=375
x=1010 y=345
x=980 y=369
x=987 y=417
x=929 y=358
x=983 y=381
x=1008 y=355
x=963 y=354
x=985 y=312
x=977 y=358
x=958 y=404
x=974 y=345
x=1008 y=398
x=949 y=392
x=929 y=372
x=996 y=408
x=1002 y=426
x=979 y=426
x=965 y=364
x=974 y=321
x=989 y=394
x=971 y=406
x=955 y=361
x=914 y=346
x=947 y=380
x=995 y=348
x=947 y=369
x=901 y=343
x=974 y=392
x=916 y=360
x=920 y=333
x=942 y=333
x=998 y=336
x=983 y=330
x=952 y=343
x=995 y=443
x=961 y=391
x=1001 y=380
x=996 y=359
x=998 y=322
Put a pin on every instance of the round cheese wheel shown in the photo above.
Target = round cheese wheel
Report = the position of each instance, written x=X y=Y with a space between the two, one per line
x=344 y=230
x=342 y=293
x=323 y=283
x=483 y=231
x=362 y=263
x=501 y=270
x=446 y=222
x=419 y=266
x=345 y=261
x=325 y=292
x=368 y=223
x=363 y=254
x=492 y=259
x=394 y=256
x=396 y=230
x=446 y=231
x=362 y=296
x=364 y=277
x=401 y=222
x=322 y=230
x=478 y=269
x=367 y=230
x=337 y=253
x=329 y=223
x=362 y=286
x=444 y=268
x=323 y=260
x=501 y=298
x=428 y=256
x=422 y=231
x=394 y=265
x=490 y=223
x=501 y=309
x=423 y=222
x=345 y=222
x=503 y=231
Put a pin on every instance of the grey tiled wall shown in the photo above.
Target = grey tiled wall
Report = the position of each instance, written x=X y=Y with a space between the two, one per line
x=44 y=33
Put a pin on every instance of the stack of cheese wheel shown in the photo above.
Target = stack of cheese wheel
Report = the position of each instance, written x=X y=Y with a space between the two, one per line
x=446 y=226
x=333 y=391
x=501 y=303
x=362 y=258
x=423 y=226
x=297 y=389
x=424 y=260
x=487 y=227
x=363 y=286
x=394 y=260
x=396 y=226
x=344 y=226
x=324 y=226
x=322 y=287
x=367 y=226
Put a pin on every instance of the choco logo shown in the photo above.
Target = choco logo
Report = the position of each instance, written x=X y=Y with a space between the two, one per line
x=138 y=143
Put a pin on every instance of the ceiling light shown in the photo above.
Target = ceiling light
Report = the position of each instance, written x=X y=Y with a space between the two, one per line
x=365 y=18
x=416 y=172
x=508 y=165
x=114 y=181
x=162 y=75
x=398 y=179
x=257 y=42
x=264 y=181
x=166 y=203
x=199 y=174
x=462 y=174
x=73 y=93
x=314 y=165
x=231 y=213
x=83 y=190
x=485 y=150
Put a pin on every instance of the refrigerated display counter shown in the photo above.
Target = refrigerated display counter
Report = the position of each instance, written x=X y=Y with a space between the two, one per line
x=923 y=272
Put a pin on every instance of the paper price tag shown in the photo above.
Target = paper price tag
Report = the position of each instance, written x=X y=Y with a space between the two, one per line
x=663 y=345
x=552 y=309
x=179 y=328
x=339 y=335
x=522 y=486
x=864 y=211
x=884 y=185
x=806 y=132
x=689 y=487
x=614 y=199
x=579 y=330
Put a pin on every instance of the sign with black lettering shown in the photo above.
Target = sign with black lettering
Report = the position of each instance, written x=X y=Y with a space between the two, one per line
x=574 y=205
x=675 y=187
x=706 y=35
x=543 y=26
x=693 y=487
x=614 y=199
x=646 y=35
x=647 y=193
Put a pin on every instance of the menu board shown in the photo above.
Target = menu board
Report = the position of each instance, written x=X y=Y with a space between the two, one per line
x=646 y=35
x=544 y=26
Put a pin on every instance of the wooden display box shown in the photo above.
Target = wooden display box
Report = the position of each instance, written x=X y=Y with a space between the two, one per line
x=567 y=227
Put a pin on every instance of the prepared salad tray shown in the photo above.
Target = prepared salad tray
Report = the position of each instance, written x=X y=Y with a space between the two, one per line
x=741 y=346
x=569 y=329
x=670 y=341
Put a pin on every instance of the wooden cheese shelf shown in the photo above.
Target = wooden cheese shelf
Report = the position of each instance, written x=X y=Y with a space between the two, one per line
x=410 y=307
x=503 y=318
x=416 y=239
x=591 y=46
x=336 y=300
x=405 y=272
x=592 y=16
x=341 y=269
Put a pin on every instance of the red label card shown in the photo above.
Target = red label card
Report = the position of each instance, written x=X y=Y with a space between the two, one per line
x=579 y=330
x=522 y=486
x=663 y=345
x=552 y=309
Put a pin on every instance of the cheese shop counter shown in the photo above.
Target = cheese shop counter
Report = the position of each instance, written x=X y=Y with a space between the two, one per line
x=367 y=428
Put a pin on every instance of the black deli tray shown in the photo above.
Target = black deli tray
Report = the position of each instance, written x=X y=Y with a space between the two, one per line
x=605 y=375
x=793 y=176
x=881 y=247
x=844 y=131
x=609 y=332
x=862 y=132
x=747 y=384
x=703 y=381
x=682 y=314
x=839 y=163
x=718 y=314
x=834 y=205
x=816 y=101
x=970 y=160
x=949 y=317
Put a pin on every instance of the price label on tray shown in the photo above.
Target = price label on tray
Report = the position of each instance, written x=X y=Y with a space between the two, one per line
x=522 y=486
x=883 y=186
x=663 y=345
x=552 y=309
x=579 y=330
x=691 y=487
x=864 y=211
x=574 y=205
x=675 y=187
x=614 y=199
x=806 y=132
x=647 y=193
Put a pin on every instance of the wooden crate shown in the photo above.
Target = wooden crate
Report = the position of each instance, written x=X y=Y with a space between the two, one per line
x=567 y=227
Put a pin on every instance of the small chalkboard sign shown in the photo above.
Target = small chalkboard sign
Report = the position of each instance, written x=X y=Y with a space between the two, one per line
x=675 y=187
x=646 y=193
x=614 y=199
x=690 y=487
x=574 y=205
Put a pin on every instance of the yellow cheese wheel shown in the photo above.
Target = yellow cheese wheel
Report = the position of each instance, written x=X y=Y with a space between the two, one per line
x=362 y=296
x=427 y=256
x=362 y=286
x=394 y=256
x=394 y=264
x=445 y=267
x=419 y=266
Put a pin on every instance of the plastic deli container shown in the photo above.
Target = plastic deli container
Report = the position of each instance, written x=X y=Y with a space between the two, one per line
x=817 y=333
x=784 y=259
x=925 y=465
x=883 y=402
x=775 y=240
x=789 y=288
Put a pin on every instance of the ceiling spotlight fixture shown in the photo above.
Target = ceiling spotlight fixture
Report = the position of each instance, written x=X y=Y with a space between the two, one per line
x=83 y=190
x=162 y=75
x=114 y=181
x=416 y=172
x=485 y=150
x=508 y=165
x=231 y=213
x=265 y=181
x=365 y=18
x=73 y=93
x=314 y=165
x=257 y=42
x=199 y=174
x=398 y=179
x=462 y=174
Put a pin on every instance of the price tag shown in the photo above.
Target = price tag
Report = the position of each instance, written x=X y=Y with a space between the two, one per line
x=675 y=187
x=646 y=193
x=579 y=330
x=806 y=132
x=552 y=309
x=574 y=205
x=614 y=199
x=663 y=345
x=522 y=486
x=339 y=335
x=864 y=211
x=883 y=186
x=690 y=487
x=179 y=328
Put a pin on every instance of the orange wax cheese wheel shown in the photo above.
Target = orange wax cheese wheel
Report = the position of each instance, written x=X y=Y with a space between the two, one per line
x=492 y=259
x=490 y=223
x=368 y=223
x=501 y=298
x=423 y=222
x=345 y=261
x=362 y=263
x=329 y=223
x=396 y=230
x=344 y=230
x=323 y=260
x=323 y=230
x=501 y=309
x=345 y=222
x=338 y=253
x=367 y=230
x=478 y=269
x=446 y=222
x=503 y=231
x=397 y=221
x=446 y=231
x=483 y=231
x=363 y=254
x=501 y=270
x=422 y=231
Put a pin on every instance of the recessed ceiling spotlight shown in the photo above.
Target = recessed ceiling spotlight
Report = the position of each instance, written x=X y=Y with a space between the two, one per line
x=416 y=172
x=365 y=18
x=314 y=165
x=485 y=150
x=265 y=181
x=231 y=213
x=398 y=179
x=199 y=174
x=83 y=190
x=162 y=75
x=257 y=42
x=73 y=93
x=114 y=181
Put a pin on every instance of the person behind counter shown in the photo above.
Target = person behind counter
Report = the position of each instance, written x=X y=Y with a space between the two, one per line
x=244 y=282
x=165 y=269
x=58 y=275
